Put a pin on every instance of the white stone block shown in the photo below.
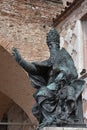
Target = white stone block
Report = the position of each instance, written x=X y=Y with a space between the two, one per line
x=63 y=128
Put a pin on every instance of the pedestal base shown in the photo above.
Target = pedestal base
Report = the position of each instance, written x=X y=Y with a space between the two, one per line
x=63 y=128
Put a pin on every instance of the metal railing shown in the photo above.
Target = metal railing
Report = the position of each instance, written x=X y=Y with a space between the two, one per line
x=17 y=126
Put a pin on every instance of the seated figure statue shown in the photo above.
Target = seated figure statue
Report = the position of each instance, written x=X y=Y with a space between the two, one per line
x=58 y=95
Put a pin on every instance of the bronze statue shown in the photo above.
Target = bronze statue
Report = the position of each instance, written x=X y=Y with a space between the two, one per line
x=58 y=96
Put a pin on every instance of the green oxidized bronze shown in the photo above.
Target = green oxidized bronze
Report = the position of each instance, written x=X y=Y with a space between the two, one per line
x=58 y=96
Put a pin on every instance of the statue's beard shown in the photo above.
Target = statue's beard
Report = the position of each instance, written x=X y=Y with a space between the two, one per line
x=53 y=59
x=53 y=55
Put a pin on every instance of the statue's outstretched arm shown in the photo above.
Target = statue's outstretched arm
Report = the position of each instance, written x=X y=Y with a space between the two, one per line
x=29 y=67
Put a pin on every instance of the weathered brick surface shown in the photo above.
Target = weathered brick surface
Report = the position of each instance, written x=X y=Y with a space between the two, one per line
x=30 y=11
x=28 y=38
x=24 y=24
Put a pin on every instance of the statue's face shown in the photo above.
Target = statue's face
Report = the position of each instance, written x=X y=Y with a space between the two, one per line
x=53 y=45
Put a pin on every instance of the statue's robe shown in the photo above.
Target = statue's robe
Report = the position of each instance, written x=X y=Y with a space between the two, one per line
x=64 y=62
x=45 y=96
x=53 y=102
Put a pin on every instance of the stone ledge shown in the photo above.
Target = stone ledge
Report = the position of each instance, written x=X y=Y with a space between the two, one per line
x=63 y=128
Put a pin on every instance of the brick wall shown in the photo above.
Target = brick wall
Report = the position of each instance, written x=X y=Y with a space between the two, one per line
x=30 y=11
x=29 y=39
x=24 y=24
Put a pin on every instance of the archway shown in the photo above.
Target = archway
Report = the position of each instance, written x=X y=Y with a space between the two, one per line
x=15 y=84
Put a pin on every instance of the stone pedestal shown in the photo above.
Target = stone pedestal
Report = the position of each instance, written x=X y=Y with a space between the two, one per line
x=63 y=128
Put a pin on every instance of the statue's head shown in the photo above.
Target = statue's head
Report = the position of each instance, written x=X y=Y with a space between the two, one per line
x=53 y=38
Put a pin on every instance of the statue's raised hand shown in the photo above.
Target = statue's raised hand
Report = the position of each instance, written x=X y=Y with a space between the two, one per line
x=16 y=54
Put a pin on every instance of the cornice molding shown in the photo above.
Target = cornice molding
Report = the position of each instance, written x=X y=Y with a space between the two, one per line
x=64 y=14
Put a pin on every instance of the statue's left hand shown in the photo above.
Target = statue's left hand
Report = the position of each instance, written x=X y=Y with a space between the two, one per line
x=16 y=55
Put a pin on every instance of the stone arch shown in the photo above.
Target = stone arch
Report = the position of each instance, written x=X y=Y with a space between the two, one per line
x=15 y=84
